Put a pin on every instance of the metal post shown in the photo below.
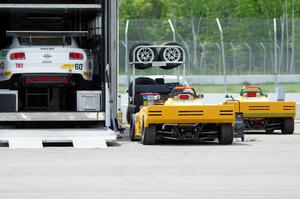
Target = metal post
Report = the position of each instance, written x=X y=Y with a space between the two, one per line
x=287 y=36
x=220 y=57
x=275 y=53
x=202 y=57
x=234 y=55
x=265 y=56
x=126 y=45
x=292 y=62
x=223 y=54
x=127 y=53
x=173 y=30
x=250 y=58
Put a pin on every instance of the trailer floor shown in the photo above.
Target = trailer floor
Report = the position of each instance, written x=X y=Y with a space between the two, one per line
x=265 y=166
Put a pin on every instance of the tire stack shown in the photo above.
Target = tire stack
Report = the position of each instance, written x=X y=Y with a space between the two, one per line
x=144 y=56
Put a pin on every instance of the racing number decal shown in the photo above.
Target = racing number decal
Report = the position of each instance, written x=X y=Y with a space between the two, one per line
x=19 y=65
x=78 y=66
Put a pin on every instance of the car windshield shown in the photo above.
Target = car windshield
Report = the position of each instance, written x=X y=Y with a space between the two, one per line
x=48 y=41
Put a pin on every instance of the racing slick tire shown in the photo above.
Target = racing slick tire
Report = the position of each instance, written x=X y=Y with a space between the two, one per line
x=288 y=126
x=171 y=55
x=226 y=134
x=152 y=52
x=149 y=135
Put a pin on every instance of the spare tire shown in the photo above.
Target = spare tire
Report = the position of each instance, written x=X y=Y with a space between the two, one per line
x=143 y=55
x=171 y=54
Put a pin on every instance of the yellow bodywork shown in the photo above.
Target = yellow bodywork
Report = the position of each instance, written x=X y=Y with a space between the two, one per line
x=252 y=109
x=261 y=107
x=176 y=111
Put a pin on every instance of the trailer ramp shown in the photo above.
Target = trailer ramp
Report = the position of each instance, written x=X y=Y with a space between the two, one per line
x=36 y=138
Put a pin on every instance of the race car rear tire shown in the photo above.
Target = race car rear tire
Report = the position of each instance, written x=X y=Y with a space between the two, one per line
x=149 y=135
x=288 y=126
x=226 y=134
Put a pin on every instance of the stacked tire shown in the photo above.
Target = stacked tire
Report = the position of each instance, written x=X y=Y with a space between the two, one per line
x=144 y=56
x=172 y=55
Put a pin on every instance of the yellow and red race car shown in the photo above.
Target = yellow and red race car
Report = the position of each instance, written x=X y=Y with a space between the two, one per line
x=184 y=117
x=259 y=113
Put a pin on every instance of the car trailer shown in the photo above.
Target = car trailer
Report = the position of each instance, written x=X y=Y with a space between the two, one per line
x=86 y=117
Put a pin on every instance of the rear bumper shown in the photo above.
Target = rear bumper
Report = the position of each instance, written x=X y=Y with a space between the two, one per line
x=44 y=80
x=217 y=114
x=7 y=75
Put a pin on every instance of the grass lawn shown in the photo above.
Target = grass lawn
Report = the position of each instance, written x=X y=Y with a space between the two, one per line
x=267 y=88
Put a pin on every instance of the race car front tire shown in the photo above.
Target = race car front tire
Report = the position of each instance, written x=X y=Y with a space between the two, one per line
x=132 y=130
x=225 y=136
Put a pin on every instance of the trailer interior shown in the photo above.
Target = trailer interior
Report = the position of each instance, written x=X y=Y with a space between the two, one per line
x=59 y=102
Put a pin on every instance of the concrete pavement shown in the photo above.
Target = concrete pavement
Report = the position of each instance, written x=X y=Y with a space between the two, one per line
x=265 y=166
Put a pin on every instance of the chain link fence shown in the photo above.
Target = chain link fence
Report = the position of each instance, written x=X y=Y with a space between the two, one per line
x=249 y=44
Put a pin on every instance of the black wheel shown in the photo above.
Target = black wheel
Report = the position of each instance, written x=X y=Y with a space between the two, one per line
x=243 y=137
x=132 y=130
x=143 y=55
x=131 y=109
x=226 y=134
x=288 y=126
x=171 y=54
x=149 y=135
x=128 y=116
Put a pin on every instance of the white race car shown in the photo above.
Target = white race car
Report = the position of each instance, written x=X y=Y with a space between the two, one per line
x=45 y=57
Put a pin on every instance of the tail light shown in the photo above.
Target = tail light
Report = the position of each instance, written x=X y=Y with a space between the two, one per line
x=76 y=56
x=17 y=56
x=184 y=97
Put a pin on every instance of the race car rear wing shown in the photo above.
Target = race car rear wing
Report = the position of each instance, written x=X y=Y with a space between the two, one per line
x=13 y=33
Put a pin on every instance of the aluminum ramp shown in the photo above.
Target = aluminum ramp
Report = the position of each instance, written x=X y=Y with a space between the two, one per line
x=35 y=138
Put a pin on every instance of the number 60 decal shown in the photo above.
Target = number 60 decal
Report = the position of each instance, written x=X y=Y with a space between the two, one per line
x=78 y=66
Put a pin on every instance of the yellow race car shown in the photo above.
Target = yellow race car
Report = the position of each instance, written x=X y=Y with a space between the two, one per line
x=184 y=117
x=259 y=113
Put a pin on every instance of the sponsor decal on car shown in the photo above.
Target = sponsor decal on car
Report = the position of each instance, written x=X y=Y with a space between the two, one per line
x=86 y=74
x=67 y=66
x=44 y=48
x=47 y=56
x=8 y=73
x=47 y=62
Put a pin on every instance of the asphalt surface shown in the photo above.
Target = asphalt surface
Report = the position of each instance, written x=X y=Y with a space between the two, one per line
x=265 y=166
